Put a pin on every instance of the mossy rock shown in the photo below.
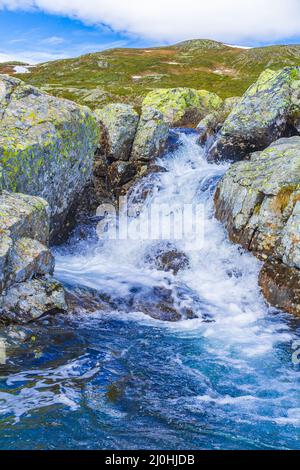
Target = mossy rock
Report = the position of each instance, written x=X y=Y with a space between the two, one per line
x=47 y=146
x=182 y=107
x=266 y=112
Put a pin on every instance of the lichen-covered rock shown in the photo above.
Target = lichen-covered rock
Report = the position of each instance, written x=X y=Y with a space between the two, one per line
x=151 y=136
x=267 y=111
x=30 y=257
x=256 y=197
x=289 y=248
x=28 y=301
x=47 y=146
x=26 y=290
x=182 y=107
x=209 y=126
x=258 y=200
x=119 y=124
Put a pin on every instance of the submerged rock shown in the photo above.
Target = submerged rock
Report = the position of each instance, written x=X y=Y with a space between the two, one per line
x=119 y=124
x=258 y=200
x=167 y=302
x=166 y=257
x=47 y=147
x=182 y=107
x=267 y=111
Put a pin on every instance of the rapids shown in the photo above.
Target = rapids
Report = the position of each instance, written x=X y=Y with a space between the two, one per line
x=119 y=379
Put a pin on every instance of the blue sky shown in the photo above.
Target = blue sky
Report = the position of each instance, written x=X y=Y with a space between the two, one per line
x=41 y=30
x=39 y=37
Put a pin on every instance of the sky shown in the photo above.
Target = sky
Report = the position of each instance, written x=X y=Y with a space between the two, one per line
x=41 y=30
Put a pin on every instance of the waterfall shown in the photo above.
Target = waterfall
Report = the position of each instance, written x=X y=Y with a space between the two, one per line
x=222 y=377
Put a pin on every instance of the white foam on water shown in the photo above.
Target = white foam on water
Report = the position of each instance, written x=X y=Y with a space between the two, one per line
x=245 y=335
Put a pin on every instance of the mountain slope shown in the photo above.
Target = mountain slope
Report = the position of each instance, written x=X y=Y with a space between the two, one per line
x=129 y=74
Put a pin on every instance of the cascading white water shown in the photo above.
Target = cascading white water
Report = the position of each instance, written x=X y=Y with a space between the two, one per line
x=244 y=336
x=116 y=378
x=223 y=275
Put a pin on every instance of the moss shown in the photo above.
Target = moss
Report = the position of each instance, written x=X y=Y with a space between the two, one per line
x=190 y=64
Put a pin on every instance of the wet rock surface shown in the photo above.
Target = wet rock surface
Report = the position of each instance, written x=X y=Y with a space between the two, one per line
x=27 y=301
x=166 y=257
x=166 y=302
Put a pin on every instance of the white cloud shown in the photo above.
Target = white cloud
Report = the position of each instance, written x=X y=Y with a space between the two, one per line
x=172 y=20
x=53 y=41
x=30 y=57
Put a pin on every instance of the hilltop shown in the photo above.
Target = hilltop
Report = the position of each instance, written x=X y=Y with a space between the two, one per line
x=127 y=75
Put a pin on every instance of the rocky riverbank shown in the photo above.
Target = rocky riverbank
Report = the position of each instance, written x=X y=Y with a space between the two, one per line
x=258 y=198
x=60 y=161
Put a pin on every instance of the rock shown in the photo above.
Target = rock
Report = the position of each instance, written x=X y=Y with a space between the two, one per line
x=47 y=146
x=151 y=136
x=27 y=290
x=258 y=200
x=24 y=216
x=167 y=257
x=120 y=173
x=256 y=197
x=24 y=229
x=289 y=248
x=280 y=285
x=209 y=126
x=28 y=301
x=182 y=107
x=5 y=250
x=163 y=303
x=30 y=257
x=267 y=111
x=119 y=124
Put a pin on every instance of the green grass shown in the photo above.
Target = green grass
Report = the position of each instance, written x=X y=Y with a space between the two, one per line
x=199 y=64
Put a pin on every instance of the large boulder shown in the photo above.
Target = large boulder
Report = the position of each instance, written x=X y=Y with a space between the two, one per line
x=27 y=290
x=258 y=200
x=127 y=147
x=47 y=146
x=210 y=125
x=151 y=136
x=268 y=110
x=119 y=124
x=182 y=107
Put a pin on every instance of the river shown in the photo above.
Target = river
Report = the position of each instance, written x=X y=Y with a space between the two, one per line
x=119 y=379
